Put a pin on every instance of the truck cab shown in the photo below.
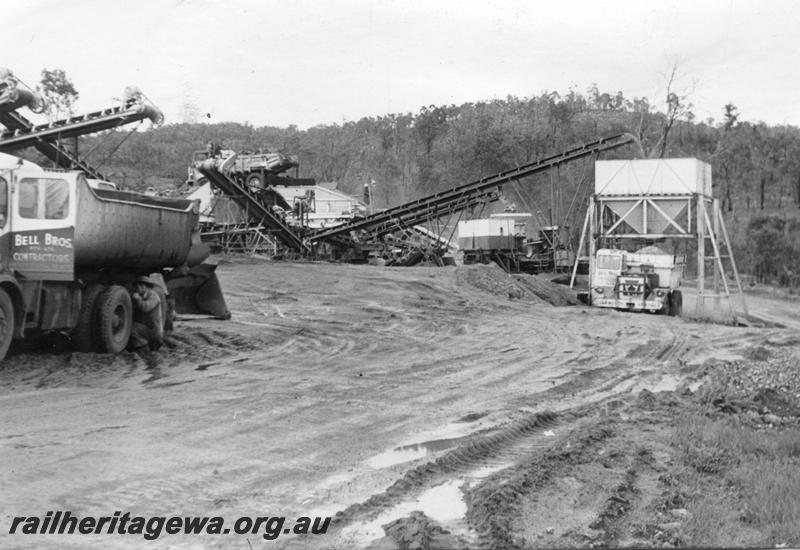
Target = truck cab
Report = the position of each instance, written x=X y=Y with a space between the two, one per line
x=646 y=280
x=37 y=221
x=37 y=225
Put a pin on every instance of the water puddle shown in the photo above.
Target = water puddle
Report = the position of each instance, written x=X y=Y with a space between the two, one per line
x=442 y=439
x=666 y=382
x=443 y=503
x=393 y=457
x=407 y=453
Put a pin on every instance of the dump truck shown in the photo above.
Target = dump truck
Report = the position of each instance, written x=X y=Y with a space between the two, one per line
x=645 y=280
x=70 y=249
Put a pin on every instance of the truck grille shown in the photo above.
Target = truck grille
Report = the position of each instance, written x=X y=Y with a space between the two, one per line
x=631 y=286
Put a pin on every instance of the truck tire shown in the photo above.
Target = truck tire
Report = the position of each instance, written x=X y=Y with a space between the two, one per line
x=113 y=319
x=83 y=335
x=167 y=309
x=254 y=182
x=6 y=323
x=676 y=303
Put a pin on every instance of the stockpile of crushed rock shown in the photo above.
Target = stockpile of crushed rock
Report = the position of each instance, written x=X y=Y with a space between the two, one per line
x=764 y=388
x=492 y=279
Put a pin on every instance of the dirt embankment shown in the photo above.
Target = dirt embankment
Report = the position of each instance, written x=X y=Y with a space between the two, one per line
x=420 y=408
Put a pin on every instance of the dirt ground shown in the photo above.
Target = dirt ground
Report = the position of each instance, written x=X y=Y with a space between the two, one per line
x=419 y=407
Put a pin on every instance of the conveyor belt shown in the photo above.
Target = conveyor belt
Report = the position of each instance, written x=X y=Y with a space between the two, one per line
x=214 y=170
x=23 y=133
x=464 y=196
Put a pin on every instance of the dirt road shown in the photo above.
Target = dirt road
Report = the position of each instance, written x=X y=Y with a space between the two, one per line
x=358 y=392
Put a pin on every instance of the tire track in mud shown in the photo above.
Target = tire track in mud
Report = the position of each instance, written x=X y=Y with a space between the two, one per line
x=493 y=505
x=324 y=338
x=672 y=350
x=730 y=344
x=387 y=331
x=616 y=507
x=654 y=350
x=647 y=363
x=44 y=370
x=496 y=450
x=304 y=341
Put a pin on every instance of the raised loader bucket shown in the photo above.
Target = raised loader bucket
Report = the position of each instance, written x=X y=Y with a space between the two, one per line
x=197 y=290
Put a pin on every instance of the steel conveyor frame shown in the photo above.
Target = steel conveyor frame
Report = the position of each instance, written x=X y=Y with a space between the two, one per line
x=214 y=170
x=464 y=196
x=23 y=133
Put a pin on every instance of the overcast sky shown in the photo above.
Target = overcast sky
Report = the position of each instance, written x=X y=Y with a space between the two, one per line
x=319 y=62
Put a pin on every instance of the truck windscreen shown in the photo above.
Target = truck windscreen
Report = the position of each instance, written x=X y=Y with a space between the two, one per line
x=43 y=198
x=613 y=262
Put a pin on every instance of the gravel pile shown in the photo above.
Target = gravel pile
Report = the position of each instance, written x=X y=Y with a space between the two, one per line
x=765 y=387
x=550 y=292
x=534 y=288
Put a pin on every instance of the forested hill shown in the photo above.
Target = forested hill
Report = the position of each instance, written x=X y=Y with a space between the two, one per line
x=756 y=167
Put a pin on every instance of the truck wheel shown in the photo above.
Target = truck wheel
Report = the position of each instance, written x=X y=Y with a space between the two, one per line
x=114 y=319
x=6 y=323
x=255 y=183
x=676 y=303
x=82 y=334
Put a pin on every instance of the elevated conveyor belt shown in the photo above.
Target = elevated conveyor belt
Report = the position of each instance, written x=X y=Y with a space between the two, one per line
x=462 y=197
x=54 y=151
x=23 y=133
x=214 y=170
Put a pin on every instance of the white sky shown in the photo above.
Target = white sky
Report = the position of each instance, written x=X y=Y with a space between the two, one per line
x=309 y=62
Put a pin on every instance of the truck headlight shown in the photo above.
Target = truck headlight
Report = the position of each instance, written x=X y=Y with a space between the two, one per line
x=660 y=293
x=598 y=290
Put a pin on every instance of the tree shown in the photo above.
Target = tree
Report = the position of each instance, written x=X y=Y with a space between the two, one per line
x=731 y=116
x=769 y=245
x=678 y=108
x=59 y=97
x=59 y=93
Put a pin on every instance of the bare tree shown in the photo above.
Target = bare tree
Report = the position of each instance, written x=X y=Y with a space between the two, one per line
x=678 y=107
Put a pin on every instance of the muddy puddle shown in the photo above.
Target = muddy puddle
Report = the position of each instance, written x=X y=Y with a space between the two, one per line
x=443 y=503
x=408 y=453
x=431 y=443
